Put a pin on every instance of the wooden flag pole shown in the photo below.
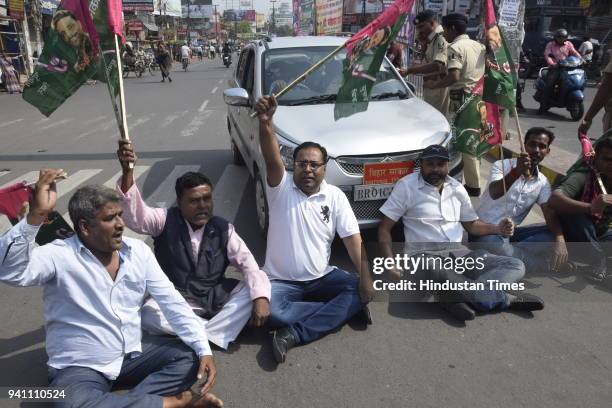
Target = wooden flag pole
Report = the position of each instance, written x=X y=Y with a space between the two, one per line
x=123 y=125
x=305 y=74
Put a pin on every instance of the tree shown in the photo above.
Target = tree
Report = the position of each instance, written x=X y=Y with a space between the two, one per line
x=284 y=31
x=244 y=27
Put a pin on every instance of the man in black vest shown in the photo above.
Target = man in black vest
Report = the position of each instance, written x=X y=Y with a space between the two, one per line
x=194 y=248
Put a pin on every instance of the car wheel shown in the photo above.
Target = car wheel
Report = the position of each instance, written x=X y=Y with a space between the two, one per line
x=237 y=158
x=261 y=203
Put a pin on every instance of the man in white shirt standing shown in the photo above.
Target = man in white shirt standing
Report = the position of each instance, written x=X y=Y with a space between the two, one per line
x=94 y=287
x=586 y=50
x=434 y=209
x=310 y=298
x=540 y=247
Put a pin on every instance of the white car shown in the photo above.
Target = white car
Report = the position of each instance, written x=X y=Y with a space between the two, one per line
x=385 y=140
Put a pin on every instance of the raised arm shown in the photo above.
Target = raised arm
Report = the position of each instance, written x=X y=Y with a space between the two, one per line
x=19 y=264
x=138 y=216
x=265 y=107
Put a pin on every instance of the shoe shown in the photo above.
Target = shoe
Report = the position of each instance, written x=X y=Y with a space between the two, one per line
x=526 y=302
x=169 y=79
x=459 y=310
x=365 y=314
x=163 y=80
x=472 y=191
x=282 y=342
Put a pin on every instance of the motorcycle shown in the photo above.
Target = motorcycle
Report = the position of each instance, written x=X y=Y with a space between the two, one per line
x=138 y=66
x=568 y=92
x=227 y=60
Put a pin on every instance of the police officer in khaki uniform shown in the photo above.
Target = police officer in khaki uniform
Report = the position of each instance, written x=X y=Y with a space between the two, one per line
x=434 y=66
x=465 y=67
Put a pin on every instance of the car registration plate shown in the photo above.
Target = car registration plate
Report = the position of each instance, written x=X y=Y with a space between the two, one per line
x=379 y=179
x=370 y=192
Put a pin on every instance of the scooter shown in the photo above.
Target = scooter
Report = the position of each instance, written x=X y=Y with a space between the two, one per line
x=227 y=60
x=569 y=89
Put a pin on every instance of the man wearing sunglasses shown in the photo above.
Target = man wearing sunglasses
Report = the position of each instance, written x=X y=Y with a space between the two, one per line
x=310 y=298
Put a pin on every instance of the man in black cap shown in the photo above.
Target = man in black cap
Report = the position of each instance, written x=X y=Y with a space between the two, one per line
x=434 y=209
x=465 y=66
x=433 y=66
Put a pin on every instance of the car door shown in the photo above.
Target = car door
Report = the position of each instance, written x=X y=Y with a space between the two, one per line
x=238 y=113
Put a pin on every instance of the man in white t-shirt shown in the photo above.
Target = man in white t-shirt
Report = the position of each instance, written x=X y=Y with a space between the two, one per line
x=310 y=298
x=185 y=51
x=434 y=209
x=540 y=247
x=586 y=50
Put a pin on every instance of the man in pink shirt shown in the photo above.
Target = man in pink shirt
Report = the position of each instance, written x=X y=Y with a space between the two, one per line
x=558 y=50
x=194 y=248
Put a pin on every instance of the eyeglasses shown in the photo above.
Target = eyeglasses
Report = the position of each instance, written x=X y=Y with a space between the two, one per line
x=303 y=165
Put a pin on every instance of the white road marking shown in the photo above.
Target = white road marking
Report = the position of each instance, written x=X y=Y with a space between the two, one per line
x=4 y=172
x=195 y=124
x=100 y=128
x=171 y=118
x=12 y=122
x=164 y=195
x=214 y=90
x=94 y=120
x=74 y=180
x=203 y=106
x=29 y=178
x=132 y=125
x=229 y=190
x=54 y=124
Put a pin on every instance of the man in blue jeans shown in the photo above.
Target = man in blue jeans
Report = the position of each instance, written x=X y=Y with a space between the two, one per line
x=310 y=298
x=540 y=247
x=94 y=287
x=435 y=209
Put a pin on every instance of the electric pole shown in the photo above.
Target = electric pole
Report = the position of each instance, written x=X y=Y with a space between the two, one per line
x=273 y=25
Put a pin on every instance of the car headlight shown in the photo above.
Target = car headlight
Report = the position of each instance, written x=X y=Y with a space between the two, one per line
x=286 y=151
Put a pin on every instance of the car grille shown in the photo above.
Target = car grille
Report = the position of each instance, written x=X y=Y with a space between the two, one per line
x=353 y=165
x=365 y=210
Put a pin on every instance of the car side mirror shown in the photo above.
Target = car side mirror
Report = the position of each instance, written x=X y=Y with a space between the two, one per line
x=236 y=97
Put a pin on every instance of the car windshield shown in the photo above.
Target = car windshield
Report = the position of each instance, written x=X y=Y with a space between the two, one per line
x=282 y=66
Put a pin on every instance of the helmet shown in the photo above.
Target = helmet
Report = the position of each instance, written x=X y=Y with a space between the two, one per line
x=561 y=33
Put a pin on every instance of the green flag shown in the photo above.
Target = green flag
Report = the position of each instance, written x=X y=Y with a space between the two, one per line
x=67 y=60
x=476 y=125
x=365 y=53
x=500 y=75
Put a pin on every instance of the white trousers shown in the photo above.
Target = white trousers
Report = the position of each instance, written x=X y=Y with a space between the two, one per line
x=222 y=329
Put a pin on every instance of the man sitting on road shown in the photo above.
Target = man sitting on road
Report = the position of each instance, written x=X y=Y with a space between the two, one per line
x=434 y=209
x=526 y=186
x=194 y=249
x=94 y=285
x=586 y=214
x=310 y=298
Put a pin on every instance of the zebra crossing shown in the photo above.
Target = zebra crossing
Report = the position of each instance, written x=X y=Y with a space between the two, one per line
x=227 y=193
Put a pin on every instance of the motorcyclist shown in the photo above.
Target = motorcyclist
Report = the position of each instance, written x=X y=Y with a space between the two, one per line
x=185 y=52
x=129 y=55
x=556 y=51
x=226 y=49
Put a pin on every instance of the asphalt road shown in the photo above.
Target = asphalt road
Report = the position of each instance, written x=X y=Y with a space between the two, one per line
x=413 y=355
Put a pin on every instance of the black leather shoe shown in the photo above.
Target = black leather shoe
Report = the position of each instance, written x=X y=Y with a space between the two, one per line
x=282 y=342
x=472 y=191
x=527 y=303
x=460 y=311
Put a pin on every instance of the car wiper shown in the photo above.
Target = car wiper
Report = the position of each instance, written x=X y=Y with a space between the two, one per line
x=312 y=100
x=386 y=95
